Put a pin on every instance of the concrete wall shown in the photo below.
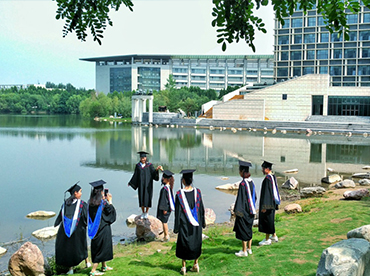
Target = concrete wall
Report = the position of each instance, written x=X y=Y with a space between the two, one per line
x=102 y=79
x=240 y=110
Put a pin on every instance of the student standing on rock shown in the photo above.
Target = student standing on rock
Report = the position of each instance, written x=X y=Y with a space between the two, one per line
x=71 y=243
x=245 y=209
x=269 y=202
x=166 y=202
x=142 y=180
x=189 y=221
x=101 y=214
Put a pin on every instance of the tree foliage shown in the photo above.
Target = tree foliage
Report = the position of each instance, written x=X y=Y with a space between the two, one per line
x=235 y=20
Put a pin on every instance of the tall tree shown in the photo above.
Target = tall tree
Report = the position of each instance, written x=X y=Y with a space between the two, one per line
x=234 y=19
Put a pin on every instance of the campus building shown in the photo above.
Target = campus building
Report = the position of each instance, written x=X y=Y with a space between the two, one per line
x=303 y=45
x=151 y=72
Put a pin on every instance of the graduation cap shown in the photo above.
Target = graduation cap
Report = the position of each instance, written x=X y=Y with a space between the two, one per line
x=244 y=165
x=98 y=184
x=187 y=175
x=266 y=164
x=167 y=174
x=142 y=153
x=74 y=188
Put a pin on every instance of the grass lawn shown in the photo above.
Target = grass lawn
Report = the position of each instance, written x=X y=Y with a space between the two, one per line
x=302 y=238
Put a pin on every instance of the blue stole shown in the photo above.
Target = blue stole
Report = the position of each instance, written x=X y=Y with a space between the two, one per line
x=93 y=226
x=70 y=225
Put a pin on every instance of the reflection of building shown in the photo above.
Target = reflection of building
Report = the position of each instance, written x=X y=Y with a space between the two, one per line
x=132 y=72
x=216 y=153
x=298 y=100
x=303 y=45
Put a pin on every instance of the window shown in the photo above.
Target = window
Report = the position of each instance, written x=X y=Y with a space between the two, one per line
x=335 y=70
x=349 y=53
x=311 y=21
x=323 y=70
x=286 y=24
x=295 y=55
x=296 y=22
x=363 y=70
x=324 y=37
x=322 y=54
x=366 y=18
x=320 y=21
x=351 y=71
x=308 y=70
x=352 y=36
x=297 y=39
x=364 y=35
x=282 y=72
x=284 y=56
x=310 y=54
x=284 y=97
x=309 y=38
x=284 y=39
x=296 y=71
x=336 y=37
x=366 y=52
x=337 y=53
x=351 y=18
x=198 y=71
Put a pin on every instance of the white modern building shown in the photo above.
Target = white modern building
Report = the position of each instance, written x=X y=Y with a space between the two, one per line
x=151 y=72
x=303 y=45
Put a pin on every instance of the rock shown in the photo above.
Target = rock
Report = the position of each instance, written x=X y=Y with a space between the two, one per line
x=366 y=168
x=2 y=250
x=148 y=229
x=41 y=214
x=204 y=237
x=290 y=184
x=362 y=232
x=293 y=208
x=346 y=183
x=361 y=175
x=357 y=194
x=224 y=178
x=28 y=260
x=229 y=186
x=347 y=257
x=255 y=223
x=231 y=209
x=330 y=170
x=291 y=171
x=331 y=179
x=210 y=216
x=364 y=182
x=312 y=191
x=131 y=219
x=273 y=131
x=46 y=233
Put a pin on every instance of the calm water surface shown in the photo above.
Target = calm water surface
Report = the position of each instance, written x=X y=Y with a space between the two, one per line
x=42 y=156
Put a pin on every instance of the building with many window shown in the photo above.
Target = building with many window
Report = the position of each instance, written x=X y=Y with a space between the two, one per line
x=151 y=72
x=303 y=45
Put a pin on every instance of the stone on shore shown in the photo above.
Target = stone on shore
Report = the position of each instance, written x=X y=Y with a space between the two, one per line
x=2 y=250
x=229 y=186
x=41 y=214
x=210 y=216
x=131 y=219
x=361 y=175
x=46 y=233
x=290 y=184
x=291 y=171
x=347 y=257
x=366 y=168
x=312 y=191
x=293 y=208
x=364 y=182
x=362 y=232
x=356 y=195
x=231 y=209
x=148 y=229
x=331 y=179
x=28 y=260
x=346 y=183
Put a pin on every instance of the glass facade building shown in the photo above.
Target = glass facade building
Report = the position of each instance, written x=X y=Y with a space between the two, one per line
x=303 y=46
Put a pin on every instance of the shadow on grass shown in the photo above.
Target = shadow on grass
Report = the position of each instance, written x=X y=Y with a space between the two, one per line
x=166 y=266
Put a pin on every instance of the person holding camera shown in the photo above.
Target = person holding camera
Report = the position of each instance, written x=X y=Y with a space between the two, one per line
x=101 y=214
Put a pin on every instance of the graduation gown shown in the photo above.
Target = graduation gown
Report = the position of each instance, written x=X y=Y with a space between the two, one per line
x=101 y=244
x=164 y=205
x=244 y=215
x=71 y=251
x=189 y=238
x=143 y=181
x=266 y=221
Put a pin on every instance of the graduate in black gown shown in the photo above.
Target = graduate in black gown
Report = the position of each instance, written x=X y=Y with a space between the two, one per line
x=189 y=221
x=101 y=214
x=245 y=209
x=166 y=202
x=269 y=202
x=71 y=243
x=142 y=180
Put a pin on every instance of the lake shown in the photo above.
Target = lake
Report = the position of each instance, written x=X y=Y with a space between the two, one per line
x=42 y=156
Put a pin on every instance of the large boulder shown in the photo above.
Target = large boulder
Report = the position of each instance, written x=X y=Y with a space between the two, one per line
x=41 y=214
x=331 y=179
x=346 y=183
x=293 y=208
x=229 y=186
x=312 y=191
x=347 y=258
x=356 y=195
x=28 y=260
x=2 y=250
x=362 y=232
x=46 y=233
x=131 y=220
x=290 y=184
x=210 y=216
x=364 y=182
x=148 y=229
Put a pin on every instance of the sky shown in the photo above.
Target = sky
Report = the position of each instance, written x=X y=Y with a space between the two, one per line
x=33 y=50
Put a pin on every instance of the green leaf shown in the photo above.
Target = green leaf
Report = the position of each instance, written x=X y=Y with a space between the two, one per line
x=224 y=46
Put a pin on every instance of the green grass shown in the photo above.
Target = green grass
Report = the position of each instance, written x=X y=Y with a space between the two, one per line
x=302 y=237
